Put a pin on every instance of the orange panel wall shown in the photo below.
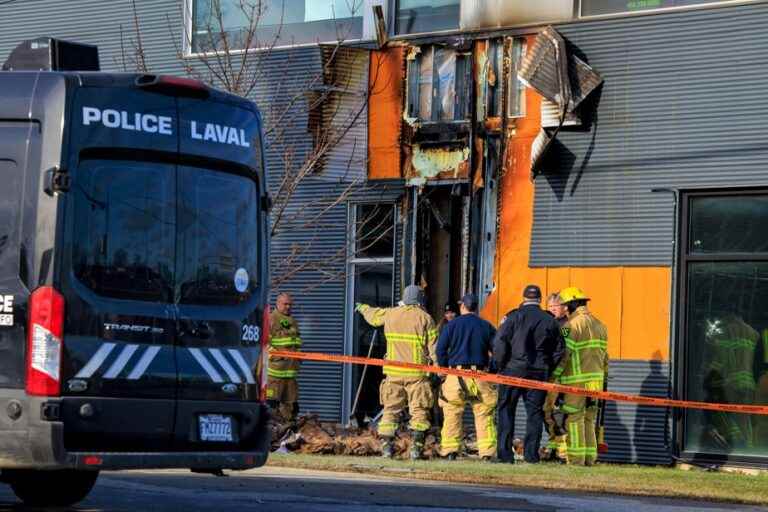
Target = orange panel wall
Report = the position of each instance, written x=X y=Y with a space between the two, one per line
x=386 y=83
x=634 y=302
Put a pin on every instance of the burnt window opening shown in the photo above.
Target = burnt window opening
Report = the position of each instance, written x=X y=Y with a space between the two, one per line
x=438 y=84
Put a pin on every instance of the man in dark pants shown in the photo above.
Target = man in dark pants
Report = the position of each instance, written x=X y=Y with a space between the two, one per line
x=529 y=344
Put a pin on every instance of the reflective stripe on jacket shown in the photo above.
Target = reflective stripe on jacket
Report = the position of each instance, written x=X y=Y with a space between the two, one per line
x=585 y=363
x=410 y=334
x=283 y=335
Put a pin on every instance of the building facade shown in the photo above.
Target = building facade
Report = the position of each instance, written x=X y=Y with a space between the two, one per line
x=651 y=196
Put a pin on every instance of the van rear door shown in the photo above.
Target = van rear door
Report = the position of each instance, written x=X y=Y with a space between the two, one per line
x=221 y=281
x=119 y=373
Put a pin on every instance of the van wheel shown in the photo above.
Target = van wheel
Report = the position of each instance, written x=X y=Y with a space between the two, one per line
x=57 y=488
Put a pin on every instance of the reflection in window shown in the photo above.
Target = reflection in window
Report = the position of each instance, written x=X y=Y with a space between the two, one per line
x=728 y=224
x=374 y=231
x=217 y=238
x=124 y=229
x=726 y=338
x=285 y=21
x=598 y=7
x=417 y=16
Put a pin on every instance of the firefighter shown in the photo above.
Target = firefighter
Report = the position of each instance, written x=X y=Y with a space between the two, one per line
x=282 y=387
x=411 y=336
x=729 y=377
x=557 y=449
x=465 y=343
x=585 y=365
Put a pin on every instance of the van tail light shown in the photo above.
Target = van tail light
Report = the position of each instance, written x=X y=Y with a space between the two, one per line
x=44 y=342
x=265 y=327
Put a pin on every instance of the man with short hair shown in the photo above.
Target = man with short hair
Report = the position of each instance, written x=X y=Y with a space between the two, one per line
x=585 y=365
x=465 y=343
x=411 y=335
x=282 y=372
x=528 y=345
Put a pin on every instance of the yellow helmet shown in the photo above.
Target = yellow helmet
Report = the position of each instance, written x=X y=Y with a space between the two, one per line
x=572 y=293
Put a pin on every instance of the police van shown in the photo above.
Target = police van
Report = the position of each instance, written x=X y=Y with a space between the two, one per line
x=133 y=276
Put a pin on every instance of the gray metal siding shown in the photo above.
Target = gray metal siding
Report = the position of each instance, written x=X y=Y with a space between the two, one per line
x=683 y=106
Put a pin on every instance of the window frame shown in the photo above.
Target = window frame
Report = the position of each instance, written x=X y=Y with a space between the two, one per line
x=680 y=361
x=462 y=81
x=368 y=32
x=393 y=28
x=656 y=10
x=352 y=264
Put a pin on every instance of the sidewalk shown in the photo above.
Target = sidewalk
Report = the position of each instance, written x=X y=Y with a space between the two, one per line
x=624 y=480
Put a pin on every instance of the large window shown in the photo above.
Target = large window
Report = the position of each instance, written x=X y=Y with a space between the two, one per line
x=600 y=7
x=158 y=233
x=725 y=344
x=417 y=16
x=264 y=22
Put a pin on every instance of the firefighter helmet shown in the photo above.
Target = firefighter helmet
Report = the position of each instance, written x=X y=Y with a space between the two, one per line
x=572 y=293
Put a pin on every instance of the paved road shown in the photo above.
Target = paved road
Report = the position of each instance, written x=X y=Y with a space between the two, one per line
x=288 y=490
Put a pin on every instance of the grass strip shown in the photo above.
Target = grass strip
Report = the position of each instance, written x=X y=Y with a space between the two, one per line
x=627 y=480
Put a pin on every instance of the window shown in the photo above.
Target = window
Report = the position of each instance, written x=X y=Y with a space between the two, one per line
x=152 y=232
x=217 y=239
x=725 y=327
x=417 y=16
x=125 y=220
x=437 y=81
x=600 y=7
x=287 y=22
x=10 y=201
x=370 y=280
x=374 y=231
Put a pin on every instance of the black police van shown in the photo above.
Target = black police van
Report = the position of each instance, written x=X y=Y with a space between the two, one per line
x=133 y=277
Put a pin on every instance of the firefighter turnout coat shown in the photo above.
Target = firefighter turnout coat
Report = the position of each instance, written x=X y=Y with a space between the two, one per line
x=411 y=335
x=282 y=372
x=584 y=365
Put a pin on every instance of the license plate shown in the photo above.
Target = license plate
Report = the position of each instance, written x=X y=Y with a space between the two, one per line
x=216 y=428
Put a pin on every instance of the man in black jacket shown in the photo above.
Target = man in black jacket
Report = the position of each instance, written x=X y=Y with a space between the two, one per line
x=529 y=344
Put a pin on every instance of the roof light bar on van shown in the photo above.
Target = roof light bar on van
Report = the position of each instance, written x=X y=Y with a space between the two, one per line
x=175 y=85
x=45 y=339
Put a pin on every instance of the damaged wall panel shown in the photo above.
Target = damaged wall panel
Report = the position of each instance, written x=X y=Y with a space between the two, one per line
x=428 y=163
x=339 y=114
x=386 y=78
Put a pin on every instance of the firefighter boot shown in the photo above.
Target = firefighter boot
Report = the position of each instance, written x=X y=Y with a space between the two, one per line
x=387 y=447
x=417 y=445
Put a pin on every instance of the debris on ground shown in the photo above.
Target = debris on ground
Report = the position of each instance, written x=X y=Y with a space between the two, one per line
x=308 y=435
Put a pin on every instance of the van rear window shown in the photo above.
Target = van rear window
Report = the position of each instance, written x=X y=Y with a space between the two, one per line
x=162 y=233
x=218 y=236
x=124 y=229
